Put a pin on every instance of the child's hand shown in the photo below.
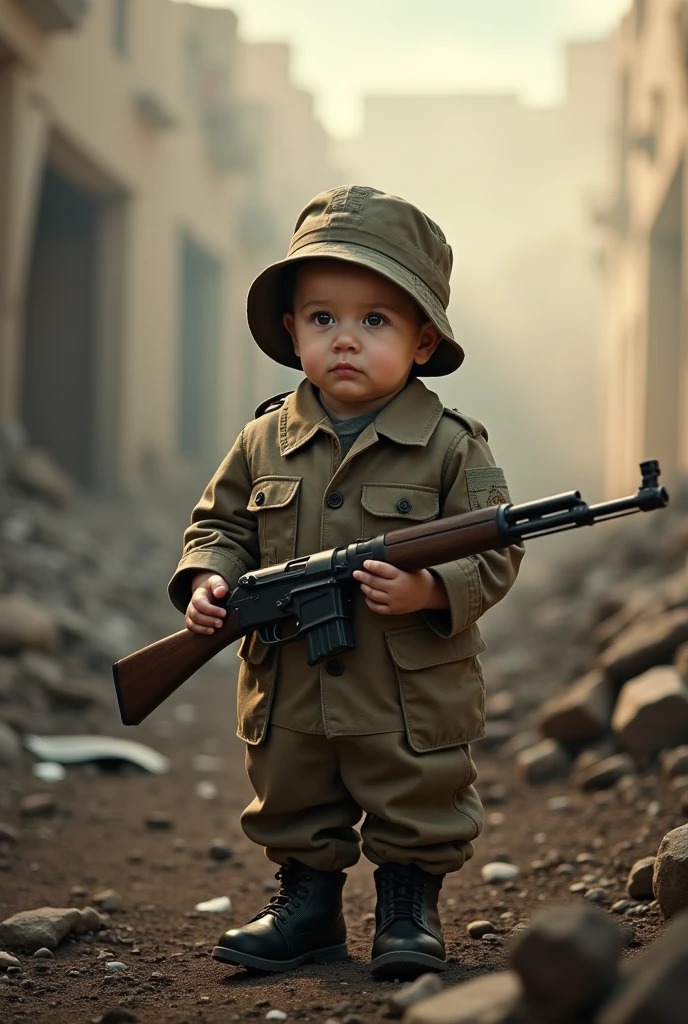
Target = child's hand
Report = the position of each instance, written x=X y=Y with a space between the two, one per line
x=391 y=591
x=202 y=615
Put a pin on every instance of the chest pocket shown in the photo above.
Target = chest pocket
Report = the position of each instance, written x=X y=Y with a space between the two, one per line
x=274 y=501
x=388 y=506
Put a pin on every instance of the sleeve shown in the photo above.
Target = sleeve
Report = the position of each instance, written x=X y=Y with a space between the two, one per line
x=473 y=584
x=223 y=534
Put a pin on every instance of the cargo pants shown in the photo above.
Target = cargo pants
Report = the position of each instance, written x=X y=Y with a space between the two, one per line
x=311 y=791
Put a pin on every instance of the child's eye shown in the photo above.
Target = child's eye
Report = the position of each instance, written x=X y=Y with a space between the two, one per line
x=375 y=320
x=322 y=318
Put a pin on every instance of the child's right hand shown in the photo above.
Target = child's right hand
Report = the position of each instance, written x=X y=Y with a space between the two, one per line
x=202 y=614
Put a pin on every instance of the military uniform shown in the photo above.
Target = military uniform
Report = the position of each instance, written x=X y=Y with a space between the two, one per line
x=384 y=728
x=381 y=731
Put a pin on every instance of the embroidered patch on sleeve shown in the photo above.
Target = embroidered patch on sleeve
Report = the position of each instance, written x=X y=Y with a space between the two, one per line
x=486 y=486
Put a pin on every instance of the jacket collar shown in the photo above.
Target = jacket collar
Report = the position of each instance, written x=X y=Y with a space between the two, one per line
x=410 y=418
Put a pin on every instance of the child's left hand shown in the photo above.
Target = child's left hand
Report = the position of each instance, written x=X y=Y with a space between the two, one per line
x=391 y=591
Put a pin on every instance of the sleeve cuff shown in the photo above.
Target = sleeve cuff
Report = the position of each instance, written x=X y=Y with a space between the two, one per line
x=462 y=583
x=203 y=560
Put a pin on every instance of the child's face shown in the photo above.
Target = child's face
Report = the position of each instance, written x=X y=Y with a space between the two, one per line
x=357 y=334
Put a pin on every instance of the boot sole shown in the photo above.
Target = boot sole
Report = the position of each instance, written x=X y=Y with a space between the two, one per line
x=402 y=963
x=318 y=956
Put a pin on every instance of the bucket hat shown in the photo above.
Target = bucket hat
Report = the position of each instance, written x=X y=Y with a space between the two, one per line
x=373 y=229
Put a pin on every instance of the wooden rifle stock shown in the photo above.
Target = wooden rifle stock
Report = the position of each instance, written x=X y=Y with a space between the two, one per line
x=145 y=679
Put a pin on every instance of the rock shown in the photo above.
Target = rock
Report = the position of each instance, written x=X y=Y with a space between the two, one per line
x=115 y=965
x=108 y=900
x=582 y=713
x=118 y=1015
x=651 y=713
x=567 y=960
x=597 y=895
x=47 y=926
x=520 y=741
x=498 y=733
x=40 y=668
x=559 y=803
x=655 y=988
x=498 y=871
x=217 y=905
x=10 y=747
x=670 y=879
x=645 y=644
x=546 y=760
x=7 y=960
x=491 y=999
x=44 y=954
x=605 y=773
x=8 y=833
x=621 y=906
x=639 y=881
x=476 y=929
x=35 y=471
x=24 y=623
x=276 y=1015
x=422 y=988
x=674 y=762
x=681 y=660
x=219 y=850
x=37 y=804
x=159 y=820
x=500 y=705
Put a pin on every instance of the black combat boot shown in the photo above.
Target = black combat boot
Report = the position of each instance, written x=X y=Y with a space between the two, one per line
x=303 y=923
x=408 y=934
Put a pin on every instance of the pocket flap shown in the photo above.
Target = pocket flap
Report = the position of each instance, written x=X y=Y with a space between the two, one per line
x=401 y=501
x=273 y=492
x=419 y=647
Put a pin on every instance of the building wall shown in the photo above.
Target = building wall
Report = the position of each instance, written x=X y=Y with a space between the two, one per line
x=187 y=141
x=646 y=344
x=510 y=185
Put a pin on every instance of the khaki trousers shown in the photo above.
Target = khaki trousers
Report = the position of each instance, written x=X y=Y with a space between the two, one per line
x=311 y=791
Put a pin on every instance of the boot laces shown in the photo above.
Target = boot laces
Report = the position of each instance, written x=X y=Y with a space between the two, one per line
x=291 y=890
x=402 y=896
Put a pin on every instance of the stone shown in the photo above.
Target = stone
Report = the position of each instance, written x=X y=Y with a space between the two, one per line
x=681 y=660
x=651 y=713
x=276 y=1015
x=7 y=960
x=10 y=747
x=423 y=987
x=567 y=960
x=44 y=954
x=108 y=900
x=37 y=804
x=217 y=905
x=559 y=803
x=118 y=1015
x=621 y=906
x=597 y=895
x=41 y=668
x=655 y=988
x=520 y=741
x=605 y=773
x=476 y=929
x=670 y=879
x=47 y=926
x=645 y=644
x=639 y=881
x=498 y=871
x=159 y=820
x=8 y=833
x=674 y=762
x=24 y=623
x=500 y=705
x=115 y=965
x=491 y=999
x=35 y=471
x=582 y=713
x=219 y=850
x=546 y=760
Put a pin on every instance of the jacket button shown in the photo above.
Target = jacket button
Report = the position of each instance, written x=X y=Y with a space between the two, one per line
x=334 y=667
x=404 y=505
x=335 y=499
x=259 y=498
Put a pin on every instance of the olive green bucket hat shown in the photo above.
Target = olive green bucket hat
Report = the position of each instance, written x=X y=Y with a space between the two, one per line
x=373 y=229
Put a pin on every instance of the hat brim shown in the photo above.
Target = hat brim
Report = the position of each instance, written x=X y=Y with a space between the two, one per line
x=265 y=304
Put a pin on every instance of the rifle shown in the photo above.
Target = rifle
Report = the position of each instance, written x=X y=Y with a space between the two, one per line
x=313 y=594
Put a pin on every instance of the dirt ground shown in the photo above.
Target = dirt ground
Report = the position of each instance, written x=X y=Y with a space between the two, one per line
x=98 y=839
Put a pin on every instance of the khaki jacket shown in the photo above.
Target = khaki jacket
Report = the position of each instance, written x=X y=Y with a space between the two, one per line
x=268 y=502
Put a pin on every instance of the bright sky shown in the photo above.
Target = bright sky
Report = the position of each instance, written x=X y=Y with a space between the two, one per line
x=346 y=49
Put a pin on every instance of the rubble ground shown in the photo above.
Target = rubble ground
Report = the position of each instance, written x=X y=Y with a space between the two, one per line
x=581 y=777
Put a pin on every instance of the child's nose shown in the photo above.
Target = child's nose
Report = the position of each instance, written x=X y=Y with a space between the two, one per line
x=346 y=338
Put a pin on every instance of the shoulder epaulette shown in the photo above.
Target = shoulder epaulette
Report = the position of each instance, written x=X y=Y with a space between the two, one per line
x=271 y=404
x=474 y=427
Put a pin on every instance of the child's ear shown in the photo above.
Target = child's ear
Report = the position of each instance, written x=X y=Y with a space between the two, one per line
x=288 y=321
x=428 y=341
